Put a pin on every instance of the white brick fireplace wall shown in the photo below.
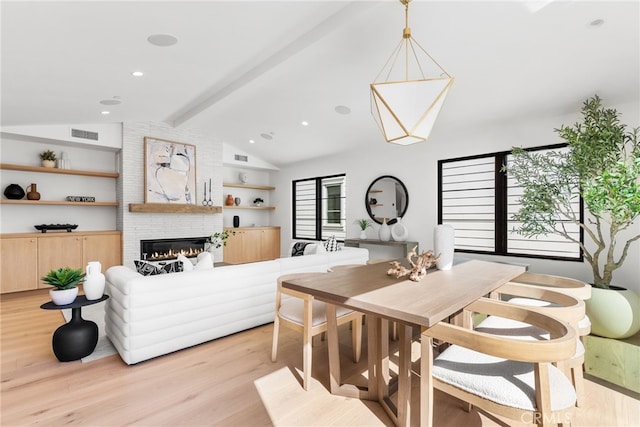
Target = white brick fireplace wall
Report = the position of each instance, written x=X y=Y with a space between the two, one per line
x=130 y=188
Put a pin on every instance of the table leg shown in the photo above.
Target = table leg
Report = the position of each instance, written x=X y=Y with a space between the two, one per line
x=76 y=339
x=426 y=385
x=404 y=375
x=335 y=382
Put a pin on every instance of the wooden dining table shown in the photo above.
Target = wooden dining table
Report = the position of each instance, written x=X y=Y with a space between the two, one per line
x=440 y=295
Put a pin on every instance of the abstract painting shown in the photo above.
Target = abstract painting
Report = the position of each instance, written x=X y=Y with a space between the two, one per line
x=170 y=172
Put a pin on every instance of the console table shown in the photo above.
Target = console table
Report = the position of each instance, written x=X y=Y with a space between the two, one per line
x=407 y=246
x=77 y=338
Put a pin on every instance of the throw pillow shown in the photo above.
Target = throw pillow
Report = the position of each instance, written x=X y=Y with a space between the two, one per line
x=204 y=261
x=331 y=245
x=298 y=248
x=187 y=265
x=148 y=269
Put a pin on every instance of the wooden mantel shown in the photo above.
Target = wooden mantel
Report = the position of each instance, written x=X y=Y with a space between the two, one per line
x=173 y=208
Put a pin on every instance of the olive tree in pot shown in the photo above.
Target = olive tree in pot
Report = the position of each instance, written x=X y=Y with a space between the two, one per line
x=602 y=165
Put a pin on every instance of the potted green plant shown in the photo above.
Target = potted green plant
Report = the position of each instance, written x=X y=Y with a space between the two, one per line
x=48 y=158
x=363 y=224
x=219 y=239
x=602 y=165
x=65 y=281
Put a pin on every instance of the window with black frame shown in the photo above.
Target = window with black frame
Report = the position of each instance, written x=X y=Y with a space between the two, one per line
x=319 y=207
x=478 y=200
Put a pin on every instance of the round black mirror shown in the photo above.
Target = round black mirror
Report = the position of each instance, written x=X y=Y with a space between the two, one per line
x=387 y=197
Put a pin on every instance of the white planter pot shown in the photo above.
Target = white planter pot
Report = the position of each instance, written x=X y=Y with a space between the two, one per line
x=64 y=296
x=363 y=235
x=48 y=163
x=614 y=313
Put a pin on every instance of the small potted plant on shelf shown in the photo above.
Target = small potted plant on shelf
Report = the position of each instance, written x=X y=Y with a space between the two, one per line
x=65 y=281
x=48 y=158
x=219 y=239
x=363 y=224
x=258 y=201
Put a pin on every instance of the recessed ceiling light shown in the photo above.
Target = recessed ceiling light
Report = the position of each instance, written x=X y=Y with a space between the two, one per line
x=251 y=141
x=596 y=23
x=304 y=123
x=110 y=102
x=104 y=113
x=162 y=40
x=137 y=74
x=343 y=109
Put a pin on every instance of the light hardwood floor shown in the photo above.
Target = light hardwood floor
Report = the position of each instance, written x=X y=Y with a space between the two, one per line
x=227 y=382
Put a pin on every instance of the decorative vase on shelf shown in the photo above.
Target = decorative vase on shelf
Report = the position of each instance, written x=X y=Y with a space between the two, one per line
x=63 y=296
x=237 y=201
x=32 y=193
x=236 y=221
x=384 y=233
x=399 y=231
x=14 y=192
x=443 y=245
x=243 y=177
x=229 y=200
x=93 y=285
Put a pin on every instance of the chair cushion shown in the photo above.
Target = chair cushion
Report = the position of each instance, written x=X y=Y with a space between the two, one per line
x=583 y=324
x=503 y=381
x=292 y=309
x=501 y=326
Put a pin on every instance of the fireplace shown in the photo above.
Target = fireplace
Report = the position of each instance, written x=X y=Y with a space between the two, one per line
x=168 y=249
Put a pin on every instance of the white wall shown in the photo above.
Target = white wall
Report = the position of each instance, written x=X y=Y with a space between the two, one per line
x=138 y=226
x=416 y=166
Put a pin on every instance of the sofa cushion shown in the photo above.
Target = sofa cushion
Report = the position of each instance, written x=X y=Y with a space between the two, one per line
x=187 y=265
x=204 y=262
x=149 y=269
x=331 y=245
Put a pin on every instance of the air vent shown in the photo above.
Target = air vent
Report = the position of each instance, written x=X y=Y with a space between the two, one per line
x=240 y=158
x=84 y=134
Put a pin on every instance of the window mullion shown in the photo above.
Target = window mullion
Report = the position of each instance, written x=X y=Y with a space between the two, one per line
x=501 y=205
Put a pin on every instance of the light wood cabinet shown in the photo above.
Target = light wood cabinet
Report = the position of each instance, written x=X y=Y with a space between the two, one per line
x=28 y=256
x=251 y=244
x=18 y=264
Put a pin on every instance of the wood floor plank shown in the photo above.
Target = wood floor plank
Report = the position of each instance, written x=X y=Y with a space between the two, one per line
x=226 y=382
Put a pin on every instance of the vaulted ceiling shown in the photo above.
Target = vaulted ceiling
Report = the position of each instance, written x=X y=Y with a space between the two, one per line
x=254 y=70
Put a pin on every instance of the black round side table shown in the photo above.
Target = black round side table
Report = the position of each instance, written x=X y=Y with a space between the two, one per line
x=77 y=338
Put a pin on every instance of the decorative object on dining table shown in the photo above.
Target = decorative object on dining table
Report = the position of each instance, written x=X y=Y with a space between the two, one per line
x=419 y=267
x=32 y=192
x=384 y=233
x=237 y=201
x=243 y=177
x=207 y=201
x=363 y=223
x=399 y=231
x=443 y=245
x=94 y=281
x=14 y=192
x=45 y=227
x=229 y=200
x=219 y=239
x=258 y=201
x=65 y=281
x=48 y=158
x=88 y=199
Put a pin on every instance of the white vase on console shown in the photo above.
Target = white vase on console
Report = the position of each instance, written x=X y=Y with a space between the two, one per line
x=384 y=233
x=93 y=284
x=399 y=231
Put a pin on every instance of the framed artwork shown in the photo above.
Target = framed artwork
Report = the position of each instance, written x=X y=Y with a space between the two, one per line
x=169 y=172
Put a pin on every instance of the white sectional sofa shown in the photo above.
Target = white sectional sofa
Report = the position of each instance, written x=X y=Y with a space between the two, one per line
x=148 y=316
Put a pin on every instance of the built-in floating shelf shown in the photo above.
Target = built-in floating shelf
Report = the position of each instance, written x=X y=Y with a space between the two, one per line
x=173 y=208
x=41 y=169
x=253 y=187
x=251 y=207
x=55 y=202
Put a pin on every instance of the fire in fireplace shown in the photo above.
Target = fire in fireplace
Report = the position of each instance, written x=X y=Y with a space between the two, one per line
x=168 y=249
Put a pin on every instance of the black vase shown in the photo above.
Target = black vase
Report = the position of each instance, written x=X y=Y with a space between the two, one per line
x=14 y=192
x=236 y=221
x=76 y=339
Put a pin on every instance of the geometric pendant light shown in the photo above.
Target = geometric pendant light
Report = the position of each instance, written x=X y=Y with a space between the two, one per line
x=406 y=104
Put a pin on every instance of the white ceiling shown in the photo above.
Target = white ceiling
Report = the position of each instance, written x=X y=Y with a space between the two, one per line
x=245 y=68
